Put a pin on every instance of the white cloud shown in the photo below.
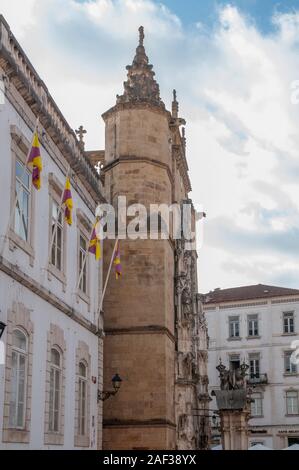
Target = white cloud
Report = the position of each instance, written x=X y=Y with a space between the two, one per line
x=233 y=84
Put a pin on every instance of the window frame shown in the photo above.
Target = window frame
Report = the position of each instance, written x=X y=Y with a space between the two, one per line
x=255 y=358
x=83 y=292
x=288 y=354
x=289 y=315
x=55 y=194
x=82 y=381
x=296 y=393
x=260 y=398
x=252 y=318
x=24 y=353
x=233 y=321
x=56 y=369
x=19 y=151
x=19 y=197
x=60 y=226
x=84 y=227
x=18 y=317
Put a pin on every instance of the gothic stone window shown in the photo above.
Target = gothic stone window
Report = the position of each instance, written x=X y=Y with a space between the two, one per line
x=18 y=377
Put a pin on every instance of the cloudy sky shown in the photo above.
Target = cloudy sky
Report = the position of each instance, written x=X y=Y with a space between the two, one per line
x=233 y=65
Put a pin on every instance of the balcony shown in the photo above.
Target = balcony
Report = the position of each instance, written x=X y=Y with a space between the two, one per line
x=258 y=379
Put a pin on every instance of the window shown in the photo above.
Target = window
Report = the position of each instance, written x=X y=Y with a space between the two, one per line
x=288 y=322
x=255 y=443
x=234 y=362
x=253 y=329
x=17 y=406
x=289 y=367
x=257 y=405
x=82 y=399
x=57 y=233
x=22 y=209
x=82 y=275
x=254 y=366
x=234 y=327
x=292 y=402
x=55 y=390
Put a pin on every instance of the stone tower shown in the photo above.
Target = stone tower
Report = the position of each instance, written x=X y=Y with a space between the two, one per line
x=145 y=161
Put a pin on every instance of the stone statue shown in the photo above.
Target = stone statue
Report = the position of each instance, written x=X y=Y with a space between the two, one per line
x=232 y=379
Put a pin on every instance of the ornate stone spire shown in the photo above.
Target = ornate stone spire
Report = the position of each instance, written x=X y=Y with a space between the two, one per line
x=141 y=85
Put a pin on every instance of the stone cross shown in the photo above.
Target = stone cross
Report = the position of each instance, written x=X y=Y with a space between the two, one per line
x=80 y=133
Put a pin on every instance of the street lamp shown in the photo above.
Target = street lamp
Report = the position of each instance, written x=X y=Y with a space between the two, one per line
x=116 y=383
x=2 y=328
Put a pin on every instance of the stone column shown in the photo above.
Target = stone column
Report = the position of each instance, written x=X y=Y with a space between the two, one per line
x=234 y=414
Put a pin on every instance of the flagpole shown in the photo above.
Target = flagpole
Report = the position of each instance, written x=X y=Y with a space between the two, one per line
x=82 y=269
x=84 y=261
x=107 y=278
x=58 y=215
x=16 y=200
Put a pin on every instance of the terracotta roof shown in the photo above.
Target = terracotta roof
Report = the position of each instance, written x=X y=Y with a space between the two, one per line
x=258 y=291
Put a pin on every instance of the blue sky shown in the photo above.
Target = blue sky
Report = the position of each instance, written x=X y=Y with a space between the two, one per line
x=191 y=11
x=234 y=65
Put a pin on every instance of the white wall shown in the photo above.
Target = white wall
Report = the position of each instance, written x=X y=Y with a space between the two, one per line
x=42 y=313
x=271 y=346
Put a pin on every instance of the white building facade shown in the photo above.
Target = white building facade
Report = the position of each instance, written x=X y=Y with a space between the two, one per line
x=259 y=325
x=53 y=337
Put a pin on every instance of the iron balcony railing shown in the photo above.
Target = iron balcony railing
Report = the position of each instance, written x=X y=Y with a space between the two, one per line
x=257 y=379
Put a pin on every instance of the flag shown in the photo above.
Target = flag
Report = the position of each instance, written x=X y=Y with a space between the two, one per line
x=68 y=202
x=117 y=263
x=35 y=160
x=95 y=244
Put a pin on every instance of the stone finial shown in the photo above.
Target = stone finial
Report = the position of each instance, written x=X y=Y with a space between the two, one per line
x=175 y=106
x=141 y=35
x=80 y=133
x=141 y=85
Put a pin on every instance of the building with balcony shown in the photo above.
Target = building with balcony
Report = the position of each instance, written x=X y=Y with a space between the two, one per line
x=259 y=324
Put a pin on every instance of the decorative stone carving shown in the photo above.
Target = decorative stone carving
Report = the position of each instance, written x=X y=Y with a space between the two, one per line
x=232 y=379
x=141 y=85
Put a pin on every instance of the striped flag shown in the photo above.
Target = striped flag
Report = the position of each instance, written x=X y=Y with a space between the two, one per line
x=95 y=244
x=68 y=202
x=35 y=161
x=117 y=263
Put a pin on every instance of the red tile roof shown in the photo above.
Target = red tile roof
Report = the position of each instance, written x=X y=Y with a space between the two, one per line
x=258 y=291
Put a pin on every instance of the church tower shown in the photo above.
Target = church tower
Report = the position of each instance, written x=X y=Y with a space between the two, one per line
x=145 y=161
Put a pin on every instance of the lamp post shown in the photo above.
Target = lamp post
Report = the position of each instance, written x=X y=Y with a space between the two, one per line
x=2 y=328
x=105 y=394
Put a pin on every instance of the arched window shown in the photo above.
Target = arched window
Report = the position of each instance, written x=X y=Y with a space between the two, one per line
x=55 y=390
x=82 y=398
x=19 y=360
